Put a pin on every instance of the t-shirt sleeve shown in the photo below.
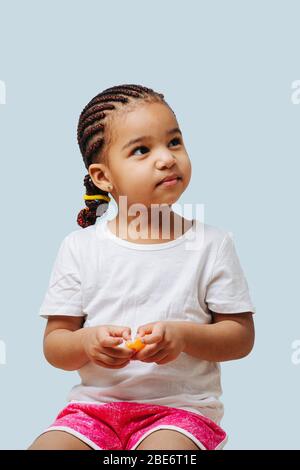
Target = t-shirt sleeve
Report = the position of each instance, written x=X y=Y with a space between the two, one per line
x=63 y=295
x=227 y=290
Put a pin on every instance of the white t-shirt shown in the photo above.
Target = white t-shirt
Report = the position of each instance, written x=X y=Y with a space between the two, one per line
x=110 y=280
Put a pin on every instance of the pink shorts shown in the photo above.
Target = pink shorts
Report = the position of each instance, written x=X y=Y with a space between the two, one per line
x=123 y=425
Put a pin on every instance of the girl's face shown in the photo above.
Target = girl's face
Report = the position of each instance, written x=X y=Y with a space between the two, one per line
x=135 y=168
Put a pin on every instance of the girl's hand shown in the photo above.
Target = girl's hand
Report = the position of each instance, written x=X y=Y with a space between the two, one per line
x=100 y=344
x=164 y=342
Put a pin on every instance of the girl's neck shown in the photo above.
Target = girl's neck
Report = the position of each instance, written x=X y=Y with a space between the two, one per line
x=166 y=227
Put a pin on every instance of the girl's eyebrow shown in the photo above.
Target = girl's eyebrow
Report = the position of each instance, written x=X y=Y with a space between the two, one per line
x=139 y=139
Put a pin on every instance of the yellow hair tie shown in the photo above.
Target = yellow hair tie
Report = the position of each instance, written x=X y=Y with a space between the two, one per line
x=96 y=196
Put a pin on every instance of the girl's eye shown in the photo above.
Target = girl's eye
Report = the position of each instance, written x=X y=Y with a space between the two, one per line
x=141 y=147
x=144 y=147
x=178 y=139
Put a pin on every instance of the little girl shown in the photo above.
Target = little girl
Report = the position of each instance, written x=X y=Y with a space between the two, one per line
x=183 y=294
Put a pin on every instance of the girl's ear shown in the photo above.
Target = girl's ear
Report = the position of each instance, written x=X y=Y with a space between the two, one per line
x=98 y=173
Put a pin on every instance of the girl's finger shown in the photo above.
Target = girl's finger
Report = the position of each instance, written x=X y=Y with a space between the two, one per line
x=112 y=335
x=107 y=366
x=156 y=357
x=112 y=360
x=127 y=335
x=147 y=353
x=162 y=361
x=156 y=333
x=109 y=341
x=119 y=352
x=151 y=339
x=115 y=330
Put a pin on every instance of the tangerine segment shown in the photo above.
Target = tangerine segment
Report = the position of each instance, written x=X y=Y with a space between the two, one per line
x=137 y=344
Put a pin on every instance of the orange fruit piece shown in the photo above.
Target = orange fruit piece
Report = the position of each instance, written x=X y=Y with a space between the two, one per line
x=137 y=344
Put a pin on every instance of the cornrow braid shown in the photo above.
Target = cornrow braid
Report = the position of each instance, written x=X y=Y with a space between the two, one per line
x=89 y=214
x=92 y=138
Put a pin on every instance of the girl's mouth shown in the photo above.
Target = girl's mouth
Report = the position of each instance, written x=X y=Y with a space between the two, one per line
x=172 y=182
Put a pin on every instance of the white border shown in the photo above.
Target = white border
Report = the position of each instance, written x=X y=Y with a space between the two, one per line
x=185 y=433
x=222 y=444
x=72 y=431
x=174 y=428
x=94 y=446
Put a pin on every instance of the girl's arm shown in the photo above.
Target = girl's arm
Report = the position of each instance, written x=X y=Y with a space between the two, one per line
x=69 y=346
x=63 y=346
x=230 y=336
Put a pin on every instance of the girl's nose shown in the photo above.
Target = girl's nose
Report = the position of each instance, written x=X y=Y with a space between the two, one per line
x=166 y=159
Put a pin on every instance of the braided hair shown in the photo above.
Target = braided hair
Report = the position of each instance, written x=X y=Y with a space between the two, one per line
x=94 y=138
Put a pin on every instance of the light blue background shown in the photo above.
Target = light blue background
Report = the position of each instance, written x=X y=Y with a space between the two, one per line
x=226 y=68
